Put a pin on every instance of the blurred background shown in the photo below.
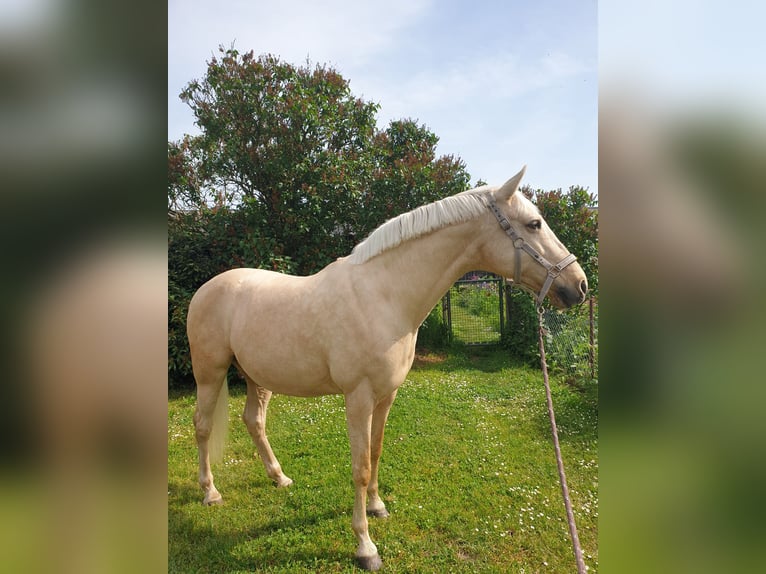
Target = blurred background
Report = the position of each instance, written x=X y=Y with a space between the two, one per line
x=83 y=296
x=681 y=165
x=83 y=299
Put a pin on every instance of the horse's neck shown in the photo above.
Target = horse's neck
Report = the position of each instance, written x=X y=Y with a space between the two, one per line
x=412 y=277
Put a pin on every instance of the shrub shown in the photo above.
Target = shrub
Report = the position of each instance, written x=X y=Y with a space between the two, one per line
x=520 y=336
x=434 y=333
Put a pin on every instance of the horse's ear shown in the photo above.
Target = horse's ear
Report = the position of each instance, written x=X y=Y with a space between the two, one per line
x=505 y=192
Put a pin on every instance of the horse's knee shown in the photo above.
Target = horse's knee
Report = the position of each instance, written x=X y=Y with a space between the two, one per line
x=362 y=473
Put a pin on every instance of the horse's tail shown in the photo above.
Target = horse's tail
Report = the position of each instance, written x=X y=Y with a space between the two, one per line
x=220 y=427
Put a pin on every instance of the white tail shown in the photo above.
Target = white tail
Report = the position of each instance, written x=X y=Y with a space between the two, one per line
x=220 y=428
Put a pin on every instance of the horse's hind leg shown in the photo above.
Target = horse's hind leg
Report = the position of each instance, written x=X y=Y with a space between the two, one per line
x=254 y=417
x=210 y=382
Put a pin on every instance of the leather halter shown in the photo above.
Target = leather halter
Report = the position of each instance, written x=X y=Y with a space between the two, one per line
x=521 y=245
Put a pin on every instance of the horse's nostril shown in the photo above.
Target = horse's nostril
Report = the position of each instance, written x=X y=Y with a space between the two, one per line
x=583 y=287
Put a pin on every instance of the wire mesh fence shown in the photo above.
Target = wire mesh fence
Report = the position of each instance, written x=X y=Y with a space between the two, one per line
x=571 y=340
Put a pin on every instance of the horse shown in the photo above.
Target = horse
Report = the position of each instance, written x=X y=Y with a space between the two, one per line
x=351 y=328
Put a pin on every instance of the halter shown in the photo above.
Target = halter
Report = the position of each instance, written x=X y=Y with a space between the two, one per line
x=520 y=244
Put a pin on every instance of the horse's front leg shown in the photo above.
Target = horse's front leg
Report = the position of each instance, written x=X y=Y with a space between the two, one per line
x=375 y=505
x=359 y=409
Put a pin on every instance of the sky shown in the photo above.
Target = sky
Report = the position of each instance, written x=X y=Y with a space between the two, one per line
x=501 y=83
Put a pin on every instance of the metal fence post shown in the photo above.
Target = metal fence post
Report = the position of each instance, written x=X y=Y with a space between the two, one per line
x=591 y=349
x=447 y=312
x=501 y=298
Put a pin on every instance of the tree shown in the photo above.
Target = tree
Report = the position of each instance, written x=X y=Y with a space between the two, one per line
x=184 y=187
x=407 y=173
x=288 y=144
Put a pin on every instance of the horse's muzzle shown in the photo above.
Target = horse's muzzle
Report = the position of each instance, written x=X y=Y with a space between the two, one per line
x=572 y=296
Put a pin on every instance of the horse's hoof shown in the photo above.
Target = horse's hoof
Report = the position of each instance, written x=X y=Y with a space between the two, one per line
x=370 y=563
x=283 y=482
x=381 y=513
x=213 y=501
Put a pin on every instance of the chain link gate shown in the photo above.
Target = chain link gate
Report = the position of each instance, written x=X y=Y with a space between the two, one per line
x=474 y=309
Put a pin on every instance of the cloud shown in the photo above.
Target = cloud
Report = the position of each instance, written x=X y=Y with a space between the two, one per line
x=491 y=79
x=351 y=32
x=524 y=106
x=344 y=34
x=332 y=31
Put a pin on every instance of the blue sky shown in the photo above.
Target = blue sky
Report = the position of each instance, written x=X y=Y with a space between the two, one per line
x=502 y=83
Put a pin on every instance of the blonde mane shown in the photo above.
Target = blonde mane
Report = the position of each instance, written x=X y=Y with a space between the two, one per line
x=421 y=221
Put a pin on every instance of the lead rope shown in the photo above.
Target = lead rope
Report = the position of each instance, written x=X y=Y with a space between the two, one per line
x=581 y=569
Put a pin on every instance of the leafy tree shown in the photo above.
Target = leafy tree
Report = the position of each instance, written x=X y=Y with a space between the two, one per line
x=407 y=173
x=288 y=144
x=184 y=186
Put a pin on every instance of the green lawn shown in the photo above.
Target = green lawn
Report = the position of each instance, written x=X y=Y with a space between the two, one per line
x=468 y=474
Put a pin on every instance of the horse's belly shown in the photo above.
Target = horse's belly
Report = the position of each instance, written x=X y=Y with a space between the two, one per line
x=288 y=373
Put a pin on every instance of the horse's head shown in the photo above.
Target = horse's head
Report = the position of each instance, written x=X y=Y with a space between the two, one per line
x=523 y=247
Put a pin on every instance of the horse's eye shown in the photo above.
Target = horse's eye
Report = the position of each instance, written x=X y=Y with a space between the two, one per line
x=535 y=224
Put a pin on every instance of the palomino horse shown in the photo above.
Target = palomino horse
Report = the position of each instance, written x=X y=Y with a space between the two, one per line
x=350 y=329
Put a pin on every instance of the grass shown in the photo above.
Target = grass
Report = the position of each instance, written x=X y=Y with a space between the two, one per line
x=468 y=474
